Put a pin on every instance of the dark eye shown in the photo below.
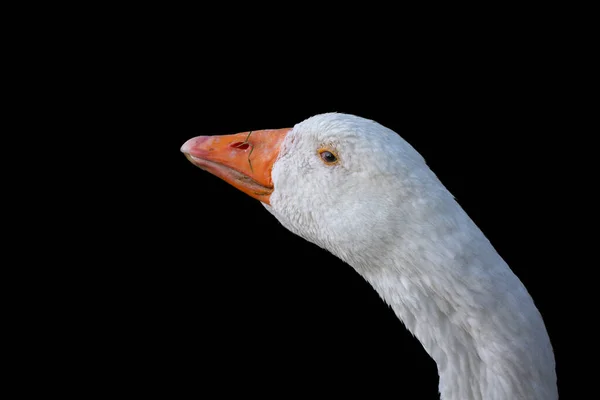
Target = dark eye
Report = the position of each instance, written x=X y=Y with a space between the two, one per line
x=328 y=157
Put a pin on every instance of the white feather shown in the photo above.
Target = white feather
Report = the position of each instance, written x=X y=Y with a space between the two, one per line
x=384 y=212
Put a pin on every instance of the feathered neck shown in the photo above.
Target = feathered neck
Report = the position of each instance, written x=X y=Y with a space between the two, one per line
x=473 y=316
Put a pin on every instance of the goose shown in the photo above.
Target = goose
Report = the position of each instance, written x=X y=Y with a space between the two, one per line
x=360 y=191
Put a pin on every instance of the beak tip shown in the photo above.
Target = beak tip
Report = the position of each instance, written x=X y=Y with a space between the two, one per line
x=186 y=147
x=193 y=144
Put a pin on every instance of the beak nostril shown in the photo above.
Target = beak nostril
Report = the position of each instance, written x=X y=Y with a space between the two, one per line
x=240 y=145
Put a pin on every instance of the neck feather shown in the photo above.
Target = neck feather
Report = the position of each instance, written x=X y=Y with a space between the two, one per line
x=473 y=316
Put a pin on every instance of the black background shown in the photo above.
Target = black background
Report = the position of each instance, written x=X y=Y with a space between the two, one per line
x=185 y=284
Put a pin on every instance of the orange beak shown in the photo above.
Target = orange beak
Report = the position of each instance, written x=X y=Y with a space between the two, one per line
x=243 y=160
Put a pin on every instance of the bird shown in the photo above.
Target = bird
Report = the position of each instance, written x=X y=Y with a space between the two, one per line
x=357 y=189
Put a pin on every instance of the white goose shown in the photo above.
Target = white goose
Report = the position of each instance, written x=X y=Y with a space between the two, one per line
x=358 y=190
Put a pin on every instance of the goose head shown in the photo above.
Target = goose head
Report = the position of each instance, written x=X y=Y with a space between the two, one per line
x=340 y=181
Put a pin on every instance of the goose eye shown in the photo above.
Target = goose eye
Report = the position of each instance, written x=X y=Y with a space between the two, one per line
x=328 y=156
